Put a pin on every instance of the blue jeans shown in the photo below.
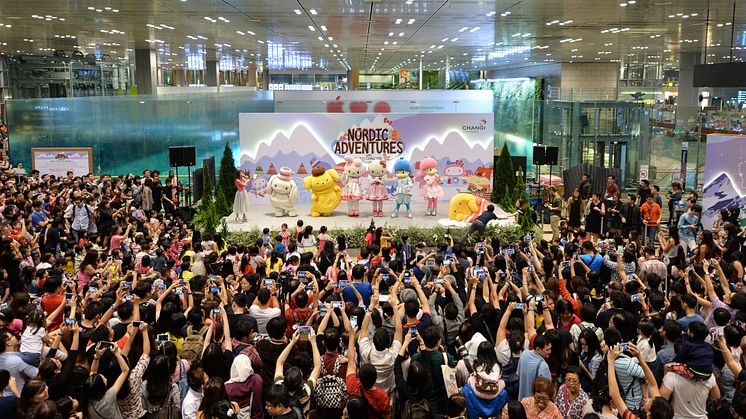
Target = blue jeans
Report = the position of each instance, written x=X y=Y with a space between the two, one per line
x=31 y=358
x=651 y=233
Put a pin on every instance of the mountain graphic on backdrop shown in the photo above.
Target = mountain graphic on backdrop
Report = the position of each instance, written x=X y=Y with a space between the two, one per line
x=291 y=151
x=722 y=194
x=453 y=147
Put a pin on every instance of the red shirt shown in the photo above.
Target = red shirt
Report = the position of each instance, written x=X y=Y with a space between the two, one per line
x=49 y=303
x=377 y=399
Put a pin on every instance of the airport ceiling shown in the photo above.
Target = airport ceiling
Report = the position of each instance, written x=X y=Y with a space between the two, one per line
x=379 y=35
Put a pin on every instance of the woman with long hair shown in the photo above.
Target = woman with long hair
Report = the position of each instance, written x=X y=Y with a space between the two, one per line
x=418 y=384
x=589 y=352
x=158 y=393
x=34 y=393
x=214 y=395
x=241 y=201
x=88 y=267
x=707 y=248
x=100 y=398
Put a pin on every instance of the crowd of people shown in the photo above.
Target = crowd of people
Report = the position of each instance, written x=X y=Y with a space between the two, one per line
x=114 y=307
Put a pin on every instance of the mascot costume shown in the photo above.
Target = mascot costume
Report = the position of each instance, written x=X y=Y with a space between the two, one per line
x=404 y=186
x=466 y=207
x=430 y=186
x=283 y=193
x=377 y=192
x=325 y=194
x=352 y=193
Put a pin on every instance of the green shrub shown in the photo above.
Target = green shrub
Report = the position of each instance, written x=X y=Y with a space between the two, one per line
x=355 y=236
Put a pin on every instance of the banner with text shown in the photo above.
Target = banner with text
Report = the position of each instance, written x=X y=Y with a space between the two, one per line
x=462 y=144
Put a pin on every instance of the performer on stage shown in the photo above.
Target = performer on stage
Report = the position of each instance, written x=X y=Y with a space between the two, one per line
x=404 y=186
x=241 y=203
x=352 y=193
x=431 y=188
x=377 y=192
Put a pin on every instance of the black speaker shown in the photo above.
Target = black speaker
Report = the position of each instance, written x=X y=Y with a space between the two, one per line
x=546 y=155
x=539 y=154
x=182 y=156
x=552 y=156
x=198 y=183
x=174 y=156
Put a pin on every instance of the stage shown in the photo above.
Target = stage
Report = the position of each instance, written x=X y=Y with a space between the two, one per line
x=262 y=215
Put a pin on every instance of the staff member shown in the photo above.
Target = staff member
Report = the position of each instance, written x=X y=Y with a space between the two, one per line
x=480 y=223
x=555 y=212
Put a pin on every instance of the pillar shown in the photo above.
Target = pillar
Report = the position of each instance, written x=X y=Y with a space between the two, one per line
x=687 y=103
x=146 y=71
x=420 y=73
x=265 y=78
x=353 y=79
x=179 y=78
x=251 y=75
x=212 y=73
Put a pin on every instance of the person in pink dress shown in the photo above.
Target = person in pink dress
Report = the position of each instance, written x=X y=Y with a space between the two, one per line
x=430 y=186
x=377 y=192
x=241 y=202
x=351 y=192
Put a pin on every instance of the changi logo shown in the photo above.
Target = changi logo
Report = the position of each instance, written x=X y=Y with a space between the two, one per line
x=476 y=127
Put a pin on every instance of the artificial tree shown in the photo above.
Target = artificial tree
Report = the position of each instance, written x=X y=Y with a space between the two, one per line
x=226 y=182
x=504 y=181
x=207 y=217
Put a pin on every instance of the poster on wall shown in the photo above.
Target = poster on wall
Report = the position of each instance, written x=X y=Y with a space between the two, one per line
x=725 y=176
x=462 y=145
x=58 y=161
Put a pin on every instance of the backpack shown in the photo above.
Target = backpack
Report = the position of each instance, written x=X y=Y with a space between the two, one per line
x=167 y=411
x=418 y=410
x=331 y=391
x=191 y=350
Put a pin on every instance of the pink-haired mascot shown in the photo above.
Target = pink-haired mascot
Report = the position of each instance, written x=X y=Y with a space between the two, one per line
x=430 y=185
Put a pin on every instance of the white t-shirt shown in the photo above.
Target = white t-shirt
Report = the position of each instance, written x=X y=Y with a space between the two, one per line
x=383 y=361
x=263 y=316
x=688 y=397
x=646 y=349
x=30 y=341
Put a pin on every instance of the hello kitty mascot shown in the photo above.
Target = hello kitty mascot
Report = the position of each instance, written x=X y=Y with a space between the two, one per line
x=430 y=186
x=377 y=192
x=352 y=192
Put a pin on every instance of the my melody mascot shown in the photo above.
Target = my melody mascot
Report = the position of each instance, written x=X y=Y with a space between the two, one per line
x=326 y=195
x=404 y=186
x=352 y=193
x=283 y=193
x=377 y=192
x=431 y=189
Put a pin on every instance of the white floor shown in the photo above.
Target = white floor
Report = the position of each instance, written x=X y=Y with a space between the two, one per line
x=263 y=216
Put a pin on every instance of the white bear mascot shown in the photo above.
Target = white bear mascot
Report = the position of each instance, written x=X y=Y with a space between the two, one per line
x=283 y=193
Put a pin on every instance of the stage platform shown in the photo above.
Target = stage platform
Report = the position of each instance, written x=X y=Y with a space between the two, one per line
x=263 y=216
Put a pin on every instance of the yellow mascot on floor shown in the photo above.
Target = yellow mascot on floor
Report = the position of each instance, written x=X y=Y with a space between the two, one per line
x=466 y=207
x=326 y=195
